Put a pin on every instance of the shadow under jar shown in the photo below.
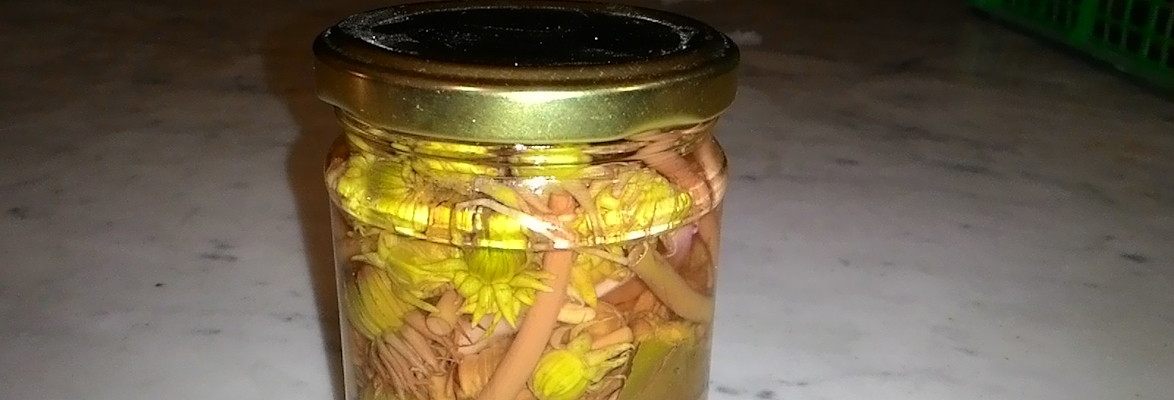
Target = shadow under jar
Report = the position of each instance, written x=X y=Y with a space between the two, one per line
x=526 y=199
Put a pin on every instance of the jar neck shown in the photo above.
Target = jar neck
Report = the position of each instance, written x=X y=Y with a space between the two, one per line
x=641 y=147
x=496 y=195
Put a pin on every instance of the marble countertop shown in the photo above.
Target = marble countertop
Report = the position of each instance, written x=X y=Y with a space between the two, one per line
x=922 y=205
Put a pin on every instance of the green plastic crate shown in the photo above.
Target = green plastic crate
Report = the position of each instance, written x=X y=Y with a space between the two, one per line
x=1133 y=35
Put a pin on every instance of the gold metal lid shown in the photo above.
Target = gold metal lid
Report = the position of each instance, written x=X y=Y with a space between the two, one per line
x=525 y=71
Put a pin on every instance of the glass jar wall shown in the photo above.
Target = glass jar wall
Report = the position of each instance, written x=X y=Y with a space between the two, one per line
x=547 y=272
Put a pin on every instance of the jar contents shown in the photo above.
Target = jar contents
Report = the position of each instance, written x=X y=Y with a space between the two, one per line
x=500 y=272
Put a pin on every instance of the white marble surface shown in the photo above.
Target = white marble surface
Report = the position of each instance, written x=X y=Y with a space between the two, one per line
x=923 y=206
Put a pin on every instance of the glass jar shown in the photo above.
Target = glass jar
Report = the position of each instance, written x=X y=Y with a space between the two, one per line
x=526 y=199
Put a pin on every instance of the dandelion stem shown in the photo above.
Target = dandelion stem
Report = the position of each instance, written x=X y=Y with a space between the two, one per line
x=510 y=377
x=669 y=287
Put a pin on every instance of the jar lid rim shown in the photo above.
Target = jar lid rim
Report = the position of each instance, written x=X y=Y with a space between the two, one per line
x=583 y=72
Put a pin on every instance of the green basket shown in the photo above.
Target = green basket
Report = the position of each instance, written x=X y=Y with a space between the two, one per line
x=1133 y=35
